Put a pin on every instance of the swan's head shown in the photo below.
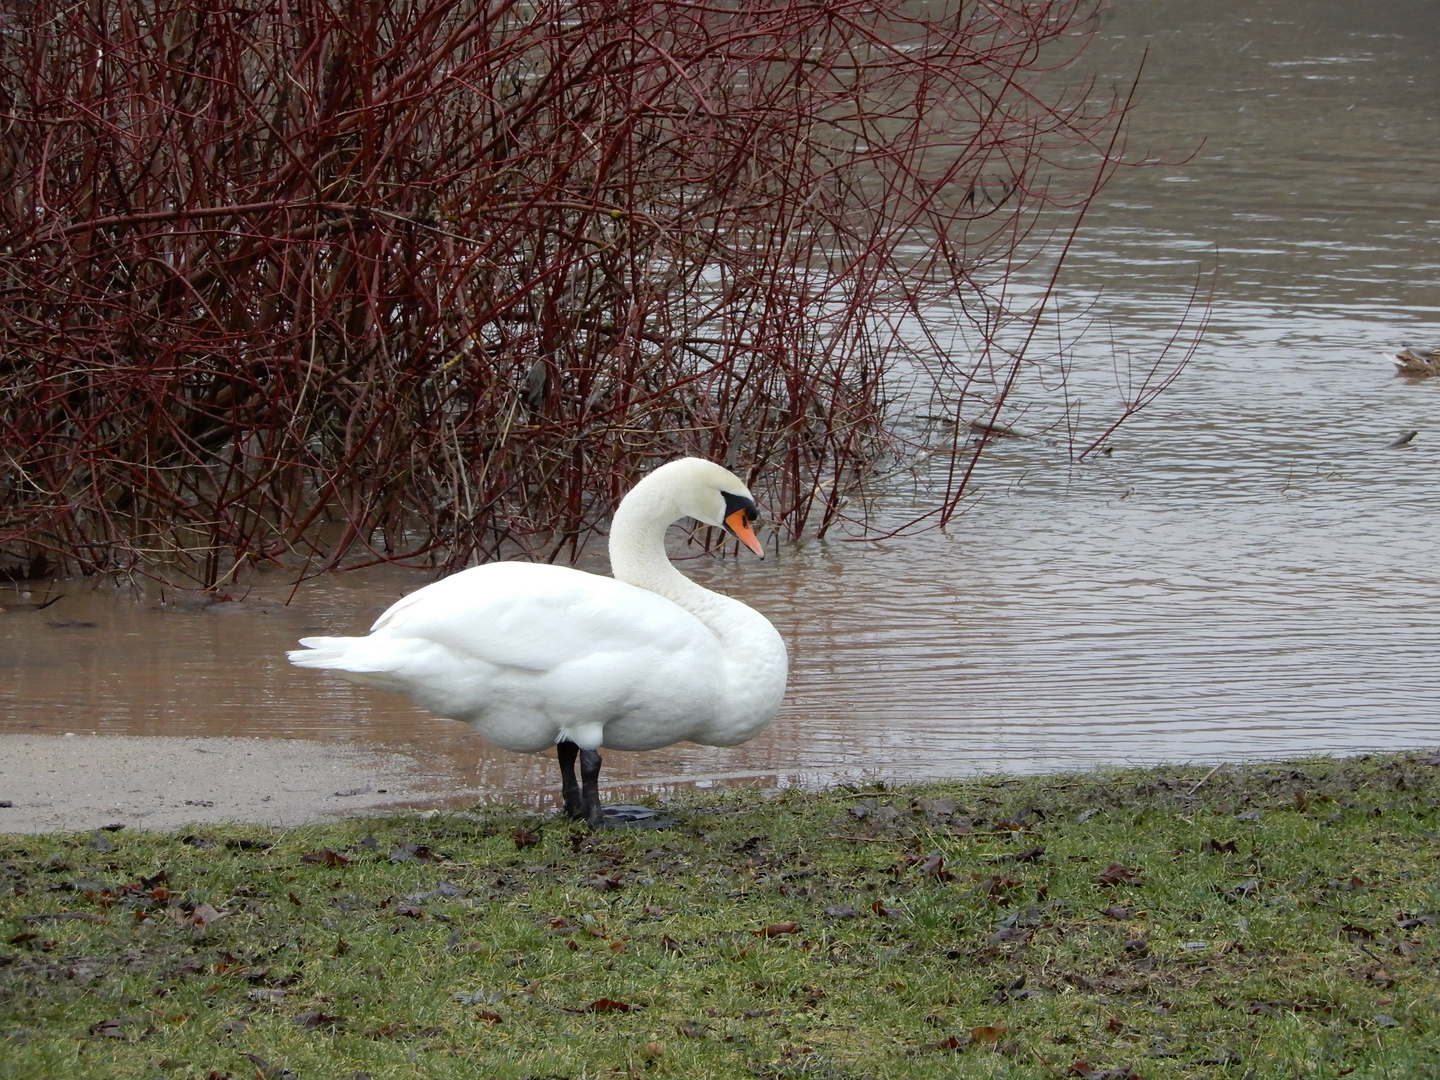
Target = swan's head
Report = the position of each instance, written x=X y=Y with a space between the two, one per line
x=709 y=493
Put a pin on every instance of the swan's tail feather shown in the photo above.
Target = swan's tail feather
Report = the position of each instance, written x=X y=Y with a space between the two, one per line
x=335 y=653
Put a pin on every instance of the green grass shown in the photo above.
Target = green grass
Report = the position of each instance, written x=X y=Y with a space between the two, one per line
x=1276 y=921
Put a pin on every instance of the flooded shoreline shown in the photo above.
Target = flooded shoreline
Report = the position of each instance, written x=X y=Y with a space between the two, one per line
x=1248 y=574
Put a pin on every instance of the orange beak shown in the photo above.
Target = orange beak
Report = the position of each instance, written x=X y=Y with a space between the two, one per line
x=738 y=524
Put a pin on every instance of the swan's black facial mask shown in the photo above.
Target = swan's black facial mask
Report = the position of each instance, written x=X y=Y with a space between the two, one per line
x=739 y=513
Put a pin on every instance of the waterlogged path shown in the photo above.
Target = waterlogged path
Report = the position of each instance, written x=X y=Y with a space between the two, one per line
x=1251 y=572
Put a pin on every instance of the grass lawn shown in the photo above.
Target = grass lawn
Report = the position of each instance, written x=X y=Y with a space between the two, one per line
x=1275 y=920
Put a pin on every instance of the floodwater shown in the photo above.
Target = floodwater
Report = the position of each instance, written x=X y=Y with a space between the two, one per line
x=1250 y=572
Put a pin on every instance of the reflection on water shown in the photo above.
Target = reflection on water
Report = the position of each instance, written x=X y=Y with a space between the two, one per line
x=1250 y=572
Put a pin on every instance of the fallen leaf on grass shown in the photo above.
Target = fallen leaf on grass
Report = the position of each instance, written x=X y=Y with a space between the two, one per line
x=65 y=916
x=954 y=1042
x=994 y=887
x=933 y=865
x=841 y=911
x=406 y=852
x=204 y=915
x=524 y=838
x=326 y=857
x=489 y=1017
x=243 y=844
x=690 y=1029
x=609 y=1005
x=1009 y=935
x=318 y=1018
x=937 y=807
x=1029 y=855
x=264 y=1070
x=989 y=1033
x=1226 y=848
x=775 y=929
x=113 y=1028
x=1248 y=887
x=1115 y=911
x=1268 y=1008
x=1118 y=874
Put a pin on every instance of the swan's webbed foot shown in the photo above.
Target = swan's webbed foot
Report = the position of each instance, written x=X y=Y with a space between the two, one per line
x=582 y=798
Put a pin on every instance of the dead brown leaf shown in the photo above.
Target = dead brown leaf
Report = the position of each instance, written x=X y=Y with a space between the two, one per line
x=934 y=866
x=204 y=915
x=325 y=857
x=113 y=1028
x=1118 y=874
x=775 y=929
x=1029 y=855
x=954 y=1042
x=989 y=1033
x=318 y=1018
x=609 y=1005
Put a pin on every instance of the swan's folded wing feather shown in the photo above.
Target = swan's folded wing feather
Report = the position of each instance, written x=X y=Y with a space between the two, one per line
x=536 y=617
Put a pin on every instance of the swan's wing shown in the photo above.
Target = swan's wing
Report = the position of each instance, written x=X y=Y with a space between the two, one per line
x=536 y=617
x=529 y=653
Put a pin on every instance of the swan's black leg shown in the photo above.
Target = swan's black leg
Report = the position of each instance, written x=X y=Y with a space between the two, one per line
x=566 y=751
x=590 y=793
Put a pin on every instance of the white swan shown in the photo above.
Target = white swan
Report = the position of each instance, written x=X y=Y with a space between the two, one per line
x=532 y=655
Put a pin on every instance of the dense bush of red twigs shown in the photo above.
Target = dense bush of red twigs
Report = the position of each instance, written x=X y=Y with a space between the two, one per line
x=336 y=281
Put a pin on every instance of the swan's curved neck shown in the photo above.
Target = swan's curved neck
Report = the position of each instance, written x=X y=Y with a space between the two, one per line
x=637 y=546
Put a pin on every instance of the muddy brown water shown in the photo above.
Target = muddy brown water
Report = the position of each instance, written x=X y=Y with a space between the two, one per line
x=1251 y=572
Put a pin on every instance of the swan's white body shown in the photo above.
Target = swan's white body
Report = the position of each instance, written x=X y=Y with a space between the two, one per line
x=531 y=655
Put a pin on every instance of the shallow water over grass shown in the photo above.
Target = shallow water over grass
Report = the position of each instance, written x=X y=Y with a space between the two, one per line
x=1249 y=572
